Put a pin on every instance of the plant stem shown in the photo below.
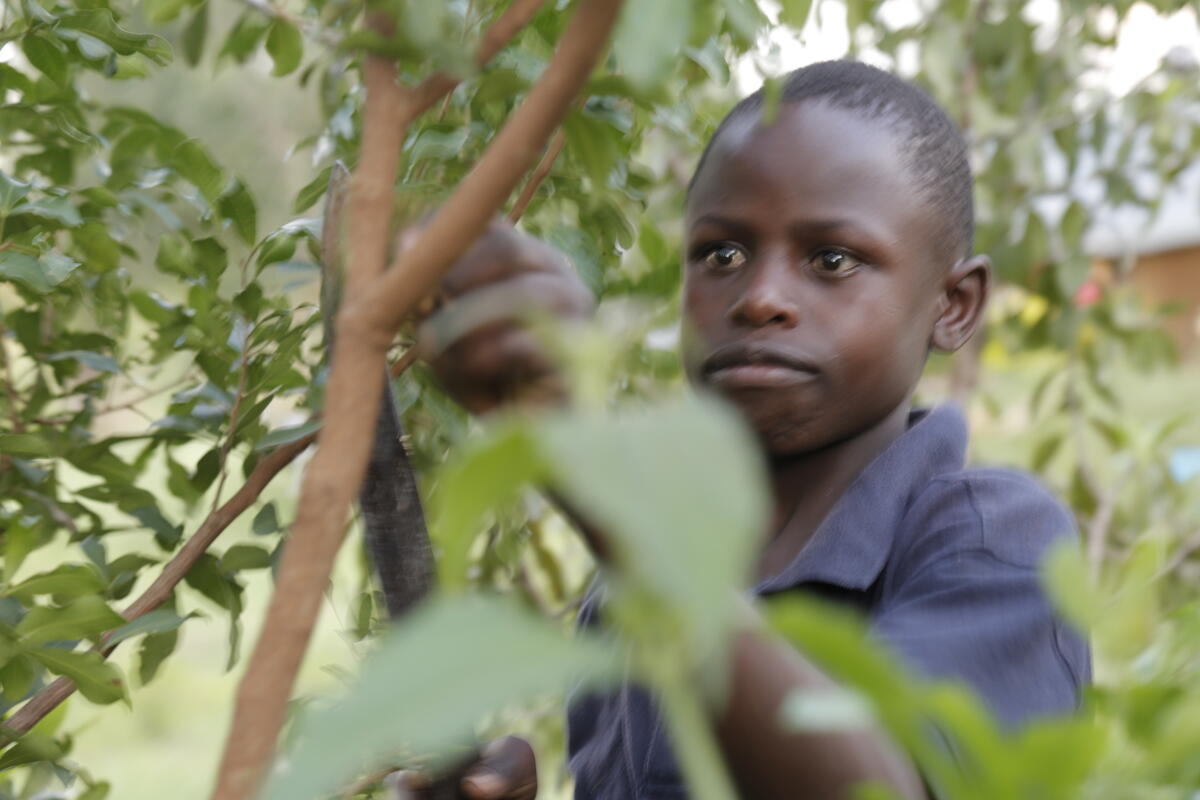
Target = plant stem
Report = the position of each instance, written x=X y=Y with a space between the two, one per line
x=700 y=759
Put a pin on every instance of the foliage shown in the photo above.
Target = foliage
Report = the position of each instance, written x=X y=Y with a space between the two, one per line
x=154 y=353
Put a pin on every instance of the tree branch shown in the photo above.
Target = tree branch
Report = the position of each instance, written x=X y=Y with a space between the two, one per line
x=372 y=311
x=158 y=592
x=499 y=33
x=539 y=174
x=455 y=226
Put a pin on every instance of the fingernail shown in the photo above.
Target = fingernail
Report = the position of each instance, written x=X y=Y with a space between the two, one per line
x=484 y=784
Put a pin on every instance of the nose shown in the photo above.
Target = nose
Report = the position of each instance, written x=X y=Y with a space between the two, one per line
x=767 y=296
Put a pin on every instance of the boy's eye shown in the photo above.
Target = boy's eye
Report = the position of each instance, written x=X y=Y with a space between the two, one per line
x=834 y=262
x=724 y=257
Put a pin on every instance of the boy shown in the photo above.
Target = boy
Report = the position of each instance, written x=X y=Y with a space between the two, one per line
x=826 y=254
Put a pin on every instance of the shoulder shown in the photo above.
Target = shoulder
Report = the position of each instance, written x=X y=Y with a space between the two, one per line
x=1002 y=514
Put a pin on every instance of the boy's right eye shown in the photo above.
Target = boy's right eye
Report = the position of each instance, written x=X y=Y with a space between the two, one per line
x=723 y=257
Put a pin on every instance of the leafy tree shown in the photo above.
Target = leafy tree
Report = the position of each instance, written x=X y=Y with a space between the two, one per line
x=136 y=281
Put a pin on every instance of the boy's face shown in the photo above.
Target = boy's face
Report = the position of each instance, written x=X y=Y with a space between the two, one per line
x=811 y=280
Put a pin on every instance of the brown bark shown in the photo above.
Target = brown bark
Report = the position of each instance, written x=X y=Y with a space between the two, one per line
x=539 y=174
x=373 y=308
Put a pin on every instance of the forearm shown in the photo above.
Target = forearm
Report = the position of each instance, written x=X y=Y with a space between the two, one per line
x=766 y=760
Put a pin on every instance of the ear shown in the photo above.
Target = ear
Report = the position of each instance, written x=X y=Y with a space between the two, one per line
x=964 y=295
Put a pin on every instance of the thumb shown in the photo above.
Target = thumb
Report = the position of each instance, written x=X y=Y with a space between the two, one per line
x=507 y=770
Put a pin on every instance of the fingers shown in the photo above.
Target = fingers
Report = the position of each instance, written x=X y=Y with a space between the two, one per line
x=507 y=771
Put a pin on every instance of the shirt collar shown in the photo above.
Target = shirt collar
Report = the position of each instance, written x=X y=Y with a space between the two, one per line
x=852 y=544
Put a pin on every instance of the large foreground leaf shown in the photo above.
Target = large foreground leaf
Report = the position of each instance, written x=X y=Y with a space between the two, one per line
x=433 y=679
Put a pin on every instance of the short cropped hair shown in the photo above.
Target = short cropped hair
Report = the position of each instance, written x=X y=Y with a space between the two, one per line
x=934 y=147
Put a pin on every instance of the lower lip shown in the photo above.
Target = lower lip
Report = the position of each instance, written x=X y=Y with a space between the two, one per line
x=759 y=376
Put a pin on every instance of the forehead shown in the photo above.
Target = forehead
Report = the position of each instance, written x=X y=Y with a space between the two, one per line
x=813 y=161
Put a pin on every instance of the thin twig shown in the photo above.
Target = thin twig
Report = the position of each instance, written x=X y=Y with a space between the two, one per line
x=539 y=174
x=405 y=361
x=164 y=585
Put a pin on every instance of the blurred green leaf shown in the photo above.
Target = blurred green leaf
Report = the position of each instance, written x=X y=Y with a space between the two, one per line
x=245 y=556
x=443 y=694
x=86 y=616
x=657 y=481
x=648 y=39
x=282 y=436
x=11 y=192
x=194 y=35
x=192 y=160
x=160 y=620
x=96 y=679
x=286 y=47
x=485 y=474
x=794 y=12
x=69 y=580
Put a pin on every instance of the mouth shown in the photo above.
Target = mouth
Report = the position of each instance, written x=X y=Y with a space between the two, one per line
x=756 y=365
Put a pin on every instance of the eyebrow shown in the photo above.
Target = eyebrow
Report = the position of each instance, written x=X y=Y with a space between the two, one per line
x=802 y=228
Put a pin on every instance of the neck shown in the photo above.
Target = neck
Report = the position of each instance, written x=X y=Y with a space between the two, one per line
x=805 y=487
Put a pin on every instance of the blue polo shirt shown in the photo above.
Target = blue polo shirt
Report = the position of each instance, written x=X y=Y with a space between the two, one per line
x=942 y=560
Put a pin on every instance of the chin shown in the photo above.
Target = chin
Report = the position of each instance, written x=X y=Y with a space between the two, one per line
x=784 y=432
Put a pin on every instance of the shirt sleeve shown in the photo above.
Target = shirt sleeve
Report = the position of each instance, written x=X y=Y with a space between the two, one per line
x=967 y=604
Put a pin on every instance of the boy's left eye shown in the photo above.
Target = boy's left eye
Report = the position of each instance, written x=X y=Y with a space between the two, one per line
x=834 y=262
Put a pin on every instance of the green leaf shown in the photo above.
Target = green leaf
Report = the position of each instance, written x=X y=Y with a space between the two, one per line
x=794 y=12
x=483 y=475
x=594 y=143
x=25 y=270
x=86 y=616
x=96 y=679
x=28 y=445
x=69 y=580
x=160 y=11
x=155 y=649
x=237 y=206
x=281 y=436
x=279 y=246
x=658 y=481
x=1065 y=576
x=166 y=535
x=745 y=19
x=648 y=39
x=194 y=35
x=1073 y=224
x=444 y=692
x=245 y=36
x=160 y=620
x=265 y=521
x=33 y=746
x=101 y=24
x=58 y=209
x=311 y=192
x=17 y=677
x=12 y=192
x=97 y=361
x=97 y=791
x=192 y=161
x=48 y=56
x=285 y=46
x=245 y=556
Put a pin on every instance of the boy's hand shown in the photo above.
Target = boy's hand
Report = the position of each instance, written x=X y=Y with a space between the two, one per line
x=506 y=770
x=475 y=342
